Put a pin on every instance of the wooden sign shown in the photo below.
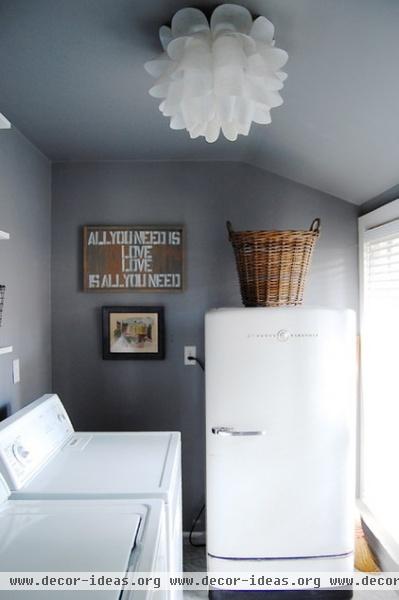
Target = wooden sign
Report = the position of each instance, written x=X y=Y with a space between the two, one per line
x=126 y=258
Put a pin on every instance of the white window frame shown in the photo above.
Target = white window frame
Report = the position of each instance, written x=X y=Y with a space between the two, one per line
x=372 y=220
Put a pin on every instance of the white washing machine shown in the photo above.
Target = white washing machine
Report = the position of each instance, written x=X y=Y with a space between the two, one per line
x=41 y=456
x=92 y=536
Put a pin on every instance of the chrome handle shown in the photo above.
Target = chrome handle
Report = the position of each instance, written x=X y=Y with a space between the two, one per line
x=234 y=432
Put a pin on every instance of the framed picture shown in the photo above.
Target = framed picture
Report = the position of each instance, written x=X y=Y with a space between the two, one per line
x=133 y=332
x=2 y=296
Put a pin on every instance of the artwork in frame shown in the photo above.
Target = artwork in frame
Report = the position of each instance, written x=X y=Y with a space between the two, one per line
x=2 y=296
x=131 y=257
x=133 y=332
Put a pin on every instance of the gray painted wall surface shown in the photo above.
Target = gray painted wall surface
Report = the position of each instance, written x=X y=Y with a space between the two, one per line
x=72 y=79
x=25 y=212
x=381 y=200
x=108 y=395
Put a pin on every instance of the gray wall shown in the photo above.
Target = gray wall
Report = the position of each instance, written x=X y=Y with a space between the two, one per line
x=166 y=395
x=384 y=198
x=25 y=212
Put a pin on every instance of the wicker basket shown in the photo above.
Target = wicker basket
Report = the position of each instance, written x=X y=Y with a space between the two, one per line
x=272 y=265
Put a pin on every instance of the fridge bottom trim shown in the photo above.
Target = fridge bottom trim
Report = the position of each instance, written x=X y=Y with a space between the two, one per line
x=307 y=557
x=280 y=594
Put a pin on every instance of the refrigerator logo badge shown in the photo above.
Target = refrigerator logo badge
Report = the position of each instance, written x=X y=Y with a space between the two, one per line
x=283 y=335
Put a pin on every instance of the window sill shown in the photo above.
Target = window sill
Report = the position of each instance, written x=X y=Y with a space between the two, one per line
x=382 y=544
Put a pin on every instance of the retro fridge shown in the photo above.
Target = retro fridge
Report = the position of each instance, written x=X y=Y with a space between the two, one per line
x=280 y=408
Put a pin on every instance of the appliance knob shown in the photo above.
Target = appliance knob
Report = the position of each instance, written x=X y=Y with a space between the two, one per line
x=20 y=453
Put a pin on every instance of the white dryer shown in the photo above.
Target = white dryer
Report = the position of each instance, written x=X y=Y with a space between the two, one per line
x=41 y=456
x=92 y=536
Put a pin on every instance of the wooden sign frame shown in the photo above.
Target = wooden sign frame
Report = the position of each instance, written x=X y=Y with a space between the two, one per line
x=133 y=258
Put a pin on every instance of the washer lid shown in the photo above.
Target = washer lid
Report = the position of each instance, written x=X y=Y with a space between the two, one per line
x=135 y=464
x=91 y=536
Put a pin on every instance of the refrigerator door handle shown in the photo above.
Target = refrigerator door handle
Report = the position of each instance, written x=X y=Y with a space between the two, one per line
x=230 y=431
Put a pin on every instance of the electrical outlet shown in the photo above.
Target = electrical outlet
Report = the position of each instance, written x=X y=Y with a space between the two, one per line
x=189 y=351
x=16 y=376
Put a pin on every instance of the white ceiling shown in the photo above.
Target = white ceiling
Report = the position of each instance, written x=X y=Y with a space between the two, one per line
x=72 y=80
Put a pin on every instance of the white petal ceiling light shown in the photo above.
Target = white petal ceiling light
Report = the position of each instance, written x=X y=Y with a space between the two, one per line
x=218 y=76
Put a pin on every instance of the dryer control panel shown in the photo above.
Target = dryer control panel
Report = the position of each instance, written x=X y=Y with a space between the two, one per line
x=30 y=437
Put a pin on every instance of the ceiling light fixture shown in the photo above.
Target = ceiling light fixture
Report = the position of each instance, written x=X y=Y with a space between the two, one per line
x=221 y=75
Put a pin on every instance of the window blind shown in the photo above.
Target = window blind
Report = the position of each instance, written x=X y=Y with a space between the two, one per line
x=380 y=380
x=382 y=263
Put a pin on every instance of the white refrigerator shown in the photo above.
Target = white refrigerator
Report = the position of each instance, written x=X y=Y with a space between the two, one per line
x=280 y=408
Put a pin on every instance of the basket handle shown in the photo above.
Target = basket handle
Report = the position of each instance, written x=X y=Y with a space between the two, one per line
x=229 y=229
x=315 y=226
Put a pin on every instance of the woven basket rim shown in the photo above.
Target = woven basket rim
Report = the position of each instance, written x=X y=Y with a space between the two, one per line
x=313 y=231
x=275 y=231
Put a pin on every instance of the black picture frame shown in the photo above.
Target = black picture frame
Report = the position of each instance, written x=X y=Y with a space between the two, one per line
x=137 y=335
